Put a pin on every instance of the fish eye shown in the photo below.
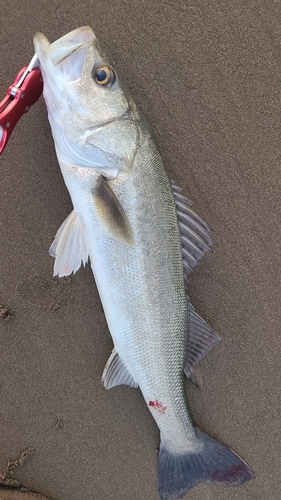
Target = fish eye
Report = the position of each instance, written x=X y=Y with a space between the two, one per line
x=104 y=75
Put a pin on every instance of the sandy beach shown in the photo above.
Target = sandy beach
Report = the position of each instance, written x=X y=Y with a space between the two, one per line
x=207 y=77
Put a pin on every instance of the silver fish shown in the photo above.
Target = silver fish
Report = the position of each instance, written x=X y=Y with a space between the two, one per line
x=143 y=240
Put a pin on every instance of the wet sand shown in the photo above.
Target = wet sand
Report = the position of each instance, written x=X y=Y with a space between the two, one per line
x=207 y=76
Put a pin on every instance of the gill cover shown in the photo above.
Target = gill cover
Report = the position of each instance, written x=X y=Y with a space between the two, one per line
x=93 y=125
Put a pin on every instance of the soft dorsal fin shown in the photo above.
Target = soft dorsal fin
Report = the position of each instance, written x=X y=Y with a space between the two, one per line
x=116 y=373
x=111 y=212
x=201 y=339
x=196 y=241
x=70 y=246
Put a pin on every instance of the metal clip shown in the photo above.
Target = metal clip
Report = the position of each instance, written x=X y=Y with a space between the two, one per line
x=24 y=91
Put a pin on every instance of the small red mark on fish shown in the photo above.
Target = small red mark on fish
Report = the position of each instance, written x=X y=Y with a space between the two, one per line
x=157 y=405
x=238 y=473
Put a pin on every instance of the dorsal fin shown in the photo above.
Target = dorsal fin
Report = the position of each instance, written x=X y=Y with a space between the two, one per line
x=201 y=339
x=196 y=241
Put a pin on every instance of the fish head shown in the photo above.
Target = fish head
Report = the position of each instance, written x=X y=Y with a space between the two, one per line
x=93 y=118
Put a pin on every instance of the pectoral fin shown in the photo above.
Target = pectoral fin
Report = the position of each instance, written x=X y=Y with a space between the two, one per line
x=111 y=212
x=70 y=247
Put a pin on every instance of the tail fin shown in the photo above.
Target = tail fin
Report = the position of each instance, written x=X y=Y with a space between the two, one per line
x=178 y=473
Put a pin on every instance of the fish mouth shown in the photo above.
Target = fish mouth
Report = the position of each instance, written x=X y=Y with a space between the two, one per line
x=72 y=46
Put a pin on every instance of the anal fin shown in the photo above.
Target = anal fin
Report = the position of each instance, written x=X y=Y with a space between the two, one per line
x=116 y=373
x=202 y=338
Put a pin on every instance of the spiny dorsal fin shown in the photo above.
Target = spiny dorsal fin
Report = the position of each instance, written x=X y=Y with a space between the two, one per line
x=116 y=373
x=201 y=339
x=111 y=212
x=195 y=239
x=70 y=246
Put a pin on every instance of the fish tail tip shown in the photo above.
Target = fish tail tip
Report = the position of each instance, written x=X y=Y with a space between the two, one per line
x=178 y=473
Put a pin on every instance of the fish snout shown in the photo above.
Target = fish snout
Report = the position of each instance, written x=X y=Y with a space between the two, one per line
x=62 y=61
x=68 y=44
x=64 y=46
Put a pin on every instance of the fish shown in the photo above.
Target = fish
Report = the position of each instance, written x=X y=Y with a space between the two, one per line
x=142 y=239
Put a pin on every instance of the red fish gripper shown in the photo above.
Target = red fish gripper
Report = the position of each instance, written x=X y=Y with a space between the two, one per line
x=21 y=95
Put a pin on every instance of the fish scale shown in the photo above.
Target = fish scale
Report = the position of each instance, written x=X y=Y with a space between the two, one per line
x=143 y=240
x=158 y=290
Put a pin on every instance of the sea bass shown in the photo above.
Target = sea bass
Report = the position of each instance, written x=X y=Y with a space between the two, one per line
x=142 y=239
